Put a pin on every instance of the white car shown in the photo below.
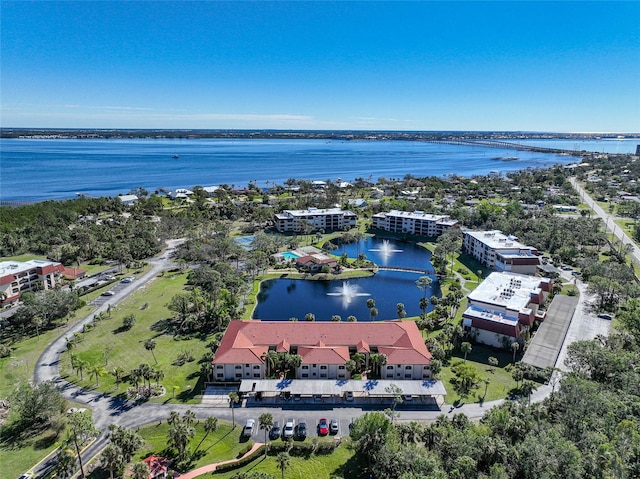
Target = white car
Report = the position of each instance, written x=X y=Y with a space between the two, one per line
x=289 y=428
x=248 y=427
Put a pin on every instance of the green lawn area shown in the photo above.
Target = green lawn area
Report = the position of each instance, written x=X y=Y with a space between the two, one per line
x=148 y=305
x=341 y=463
x=24 y=257
x=501 y=381
x=220 y=445
x=19 y=456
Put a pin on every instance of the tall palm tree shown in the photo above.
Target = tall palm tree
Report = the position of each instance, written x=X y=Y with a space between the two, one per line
x=466 y=349
x=150 y=345
x=97 y=371
x=210 y=425
x=515 y=346
x=179 y=436
x=233 y=399
x=140 y=470
x=352 y=319
x=65 y=464
x=266 y=422
x=112 y=458
x=189 y=417
x=173 y=418
x=283 y=459
x=423 y=283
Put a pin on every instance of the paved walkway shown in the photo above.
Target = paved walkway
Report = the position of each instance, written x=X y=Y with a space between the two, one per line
x=212 y=467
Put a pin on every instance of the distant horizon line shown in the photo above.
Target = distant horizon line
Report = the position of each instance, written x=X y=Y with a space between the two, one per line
x=302 y=130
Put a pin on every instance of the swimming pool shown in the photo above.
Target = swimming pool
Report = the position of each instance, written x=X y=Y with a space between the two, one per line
x=290 y=255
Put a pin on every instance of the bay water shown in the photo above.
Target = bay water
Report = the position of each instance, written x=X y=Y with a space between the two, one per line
x=43 y=169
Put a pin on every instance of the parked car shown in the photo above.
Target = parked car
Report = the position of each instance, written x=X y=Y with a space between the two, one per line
x=407 y=397
x=323 y=427
x=248 y=427
x=348 y=396
x=108 y=293
x=275 y=431
x=301 y=431
x=605 y=316
x=128 y=279
x=289 y=427
x=334 y=427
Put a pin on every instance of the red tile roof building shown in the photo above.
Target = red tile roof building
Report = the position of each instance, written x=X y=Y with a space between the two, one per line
x=325 y=347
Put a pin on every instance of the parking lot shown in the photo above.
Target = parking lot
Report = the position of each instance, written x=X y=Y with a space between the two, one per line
x=298 y=428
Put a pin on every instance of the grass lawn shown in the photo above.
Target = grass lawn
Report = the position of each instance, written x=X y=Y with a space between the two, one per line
x=501 y=381
x=20 y=455
x=341 y=463
x=24 y=257
x=148 y=305
x=220 y=445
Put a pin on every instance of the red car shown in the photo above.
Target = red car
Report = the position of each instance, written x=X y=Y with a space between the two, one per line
x=323 y=427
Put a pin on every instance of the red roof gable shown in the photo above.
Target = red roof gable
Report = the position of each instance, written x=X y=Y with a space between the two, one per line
x=246 y=341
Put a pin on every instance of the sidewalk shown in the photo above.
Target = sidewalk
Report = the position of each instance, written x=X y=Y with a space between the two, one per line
x=212 y=467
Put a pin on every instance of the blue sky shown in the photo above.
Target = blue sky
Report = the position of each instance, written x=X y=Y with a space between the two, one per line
x=533 y=66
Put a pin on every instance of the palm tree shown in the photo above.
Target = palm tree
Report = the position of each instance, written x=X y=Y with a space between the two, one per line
x=97 y=371
x=270 y=359
x=466 y=349
x=112 y=458
x=140 y=470
x=309 y=317
x=359 y=359
x=527 y=388
x=266 y=422
x=515 y=346
x=150 y=345
x=371 y=303
x=283 y=459
x=336 y=318
x=210 y=425
x=424 y=304
x=189 y=417
x=352 y=319
x=173 y=418
x=66 y=462
x=423 y=283
x=179 y=436
x=401 y=311
x=233 y=399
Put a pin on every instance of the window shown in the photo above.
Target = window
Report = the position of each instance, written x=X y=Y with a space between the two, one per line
x=219 y=366
x=323 y=375
x=323 y=367
x=315 y=365
x=389 y=368
x=341 y=367
x=426 y=367
x=407 y=367
x=305 y=367
x=238 y=366
x=256 y=375
x=257 y=366
x=220 y=375
x=247 y=365
x=407 y=376
x=238 y=375
x=305 y=375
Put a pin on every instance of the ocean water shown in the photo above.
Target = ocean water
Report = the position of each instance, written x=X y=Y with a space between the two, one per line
x=37 y=170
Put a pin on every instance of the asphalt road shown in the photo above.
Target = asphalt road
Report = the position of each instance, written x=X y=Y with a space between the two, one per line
x=608 y=219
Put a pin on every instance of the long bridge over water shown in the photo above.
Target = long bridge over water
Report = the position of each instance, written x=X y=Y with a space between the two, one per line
x=500 y=144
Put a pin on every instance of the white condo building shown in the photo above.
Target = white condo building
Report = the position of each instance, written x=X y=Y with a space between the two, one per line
x=501 y=252
x=413 y=222
x=17 y=277
x=503 y=306
x=326 y=219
